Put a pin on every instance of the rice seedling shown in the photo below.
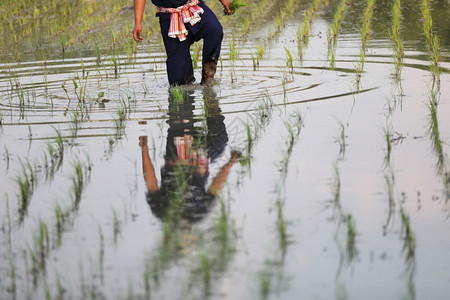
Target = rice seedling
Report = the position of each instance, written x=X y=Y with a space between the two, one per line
x=365 y=33
x=332 y=33
x=26 y=183
x=177 y=94
x=42 y=244
x=397 y=42
x=61 y=217
x=265 y=110
x=289 y=59
x=236 y=4
x=233 y=54
x=196 y=54
x=35 y=266
x=79 y=181
x=120 y=120
x=74 y=125
x=305 y=29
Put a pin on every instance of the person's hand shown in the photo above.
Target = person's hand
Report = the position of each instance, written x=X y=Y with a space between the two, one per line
x=137 y=33
x=226 y=10
x=143 y=141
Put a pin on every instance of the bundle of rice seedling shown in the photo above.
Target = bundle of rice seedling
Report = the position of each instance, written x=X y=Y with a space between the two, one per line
x=235 y=5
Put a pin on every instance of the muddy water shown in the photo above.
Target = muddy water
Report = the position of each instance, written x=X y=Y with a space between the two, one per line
x=302 y=197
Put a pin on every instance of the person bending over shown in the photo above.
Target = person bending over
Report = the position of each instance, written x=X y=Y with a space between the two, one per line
x=183 y=23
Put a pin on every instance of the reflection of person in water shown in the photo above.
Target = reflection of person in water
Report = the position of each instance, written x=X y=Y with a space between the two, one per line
x=189 y=151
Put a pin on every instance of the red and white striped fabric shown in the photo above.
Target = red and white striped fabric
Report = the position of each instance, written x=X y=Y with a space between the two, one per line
x=188 y=13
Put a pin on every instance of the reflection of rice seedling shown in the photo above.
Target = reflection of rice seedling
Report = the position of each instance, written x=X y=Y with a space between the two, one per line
x=341 y=140
x=435 y=136
x=115 y=224
x=222 y=226
x=60 y=218
x=101 y=252
x=12 y=274
x=390 y=191
x=147 y=278
x=249 y=138
x=336 y=187
x=281 y=226
x=351 y=235
x=387 y=138
x=206 y=270
x=265 y=278
x=42 y=242
x=59 y=287
x=409 y=239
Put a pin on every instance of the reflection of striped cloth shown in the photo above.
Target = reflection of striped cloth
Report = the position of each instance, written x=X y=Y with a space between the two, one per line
x=190 y=12
x=183 y=145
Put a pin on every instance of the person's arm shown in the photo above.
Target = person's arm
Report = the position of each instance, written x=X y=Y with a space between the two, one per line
x=219 y=181
x=139 y=6
x=147 y=167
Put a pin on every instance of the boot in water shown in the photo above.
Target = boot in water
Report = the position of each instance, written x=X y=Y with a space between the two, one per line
x=208 y=72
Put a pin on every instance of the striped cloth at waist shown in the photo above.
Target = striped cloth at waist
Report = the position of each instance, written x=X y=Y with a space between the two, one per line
x=188 y=13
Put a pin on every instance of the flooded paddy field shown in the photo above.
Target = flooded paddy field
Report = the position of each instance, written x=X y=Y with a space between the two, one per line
x=317 y=167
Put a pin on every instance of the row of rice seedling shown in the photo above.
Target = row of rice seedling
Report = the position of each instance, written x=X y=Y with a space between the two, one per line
x=332 y=34
x=432 y=42
x=396 y=40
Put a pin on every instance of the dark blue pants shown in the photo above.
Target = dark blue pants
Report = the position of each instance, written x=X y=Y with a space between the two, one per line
x=179 y=61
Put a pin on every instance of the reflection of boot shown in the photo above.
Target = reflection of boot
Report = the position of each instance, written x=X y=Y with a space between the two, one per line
x=208 y=71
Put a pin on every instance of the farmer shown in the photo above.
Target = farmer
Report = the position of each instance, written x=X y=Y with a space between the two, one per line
x=190 y=149
x=183 y=23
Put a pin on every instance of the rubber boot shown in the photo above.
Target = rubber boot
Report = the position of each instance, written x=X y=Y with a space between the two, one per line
x=208 y=72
